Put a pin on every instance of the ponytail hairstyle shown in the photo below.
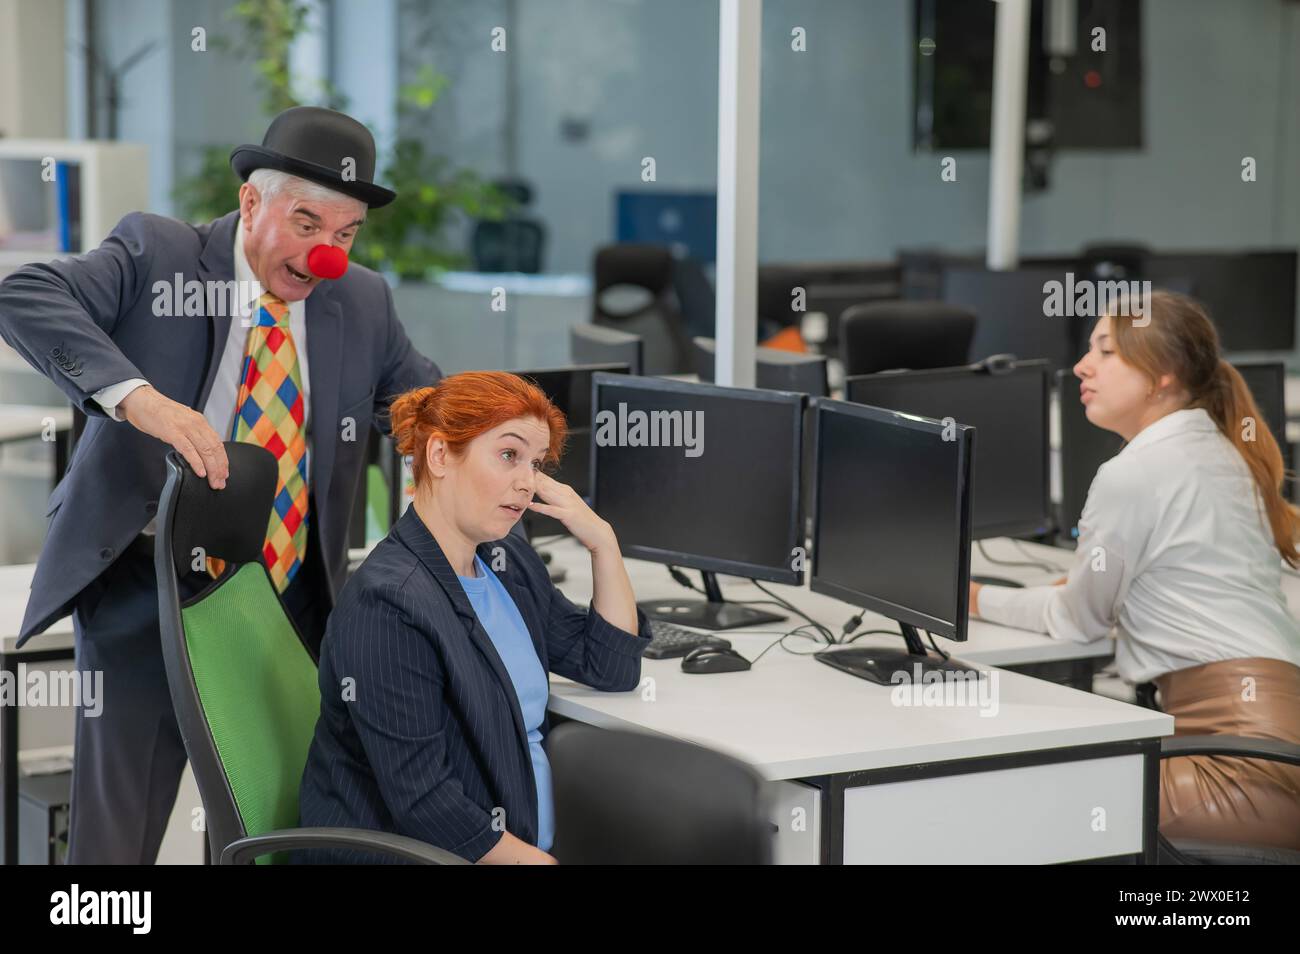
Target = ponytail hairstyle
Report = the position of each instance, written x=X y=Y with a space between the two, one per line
x=463 y=406
x=1181 y=340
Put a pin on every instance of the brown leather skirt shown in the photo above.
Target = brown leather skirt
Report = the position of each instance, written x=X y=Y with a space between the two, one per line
x=1236 y=800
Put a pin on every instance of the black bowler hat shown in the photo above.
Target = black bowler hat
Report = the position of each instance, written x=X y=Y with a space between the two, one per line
x=314 y=143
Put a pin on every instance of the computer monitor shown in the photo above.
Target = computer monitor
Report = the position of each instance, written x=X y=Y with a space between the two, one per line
x=1084 y=448
x=687 y=222
x=569 y=390
x=1267 y=383
x=1008 y=404
x=596 y=344
x=700 y=476
x=892 y=528
x=774 y=368
x=1251 y=296
x=1009 y=307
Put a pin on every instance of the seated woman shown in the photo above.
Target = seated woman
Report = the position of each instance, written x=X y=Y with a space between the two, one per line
x=433 y=668
x=1179 y=546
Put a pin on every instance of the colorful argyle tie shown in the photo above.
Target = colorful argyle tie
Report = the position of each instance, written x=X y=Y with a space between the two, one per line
x=269 y=413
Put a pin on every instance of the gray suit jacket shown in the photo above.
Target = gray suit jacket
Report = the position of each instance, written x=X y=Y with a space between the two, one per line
x=88 y=322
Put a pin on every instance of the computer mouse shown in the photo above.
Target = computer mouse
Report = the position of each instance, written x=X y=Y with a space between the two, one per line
x=714 y=659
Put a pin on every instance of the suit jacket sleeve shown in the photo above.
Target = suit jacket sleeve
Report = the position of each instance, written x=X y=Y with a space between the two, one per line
x=583 y=646
x=60 y=315
x=400 y=717
x=404 y=368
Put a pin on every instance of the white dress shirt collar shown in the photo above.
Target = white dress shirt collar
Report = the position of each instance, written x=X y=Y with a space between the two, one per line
x=1183 y=421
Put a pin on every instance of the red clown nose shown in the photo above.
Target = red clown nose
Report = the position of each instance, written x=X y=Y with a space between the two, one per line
x=327 y=261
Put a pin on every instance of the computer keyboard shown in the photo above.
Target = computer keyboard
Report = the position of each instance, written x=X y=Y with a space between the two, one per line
x=671 y=641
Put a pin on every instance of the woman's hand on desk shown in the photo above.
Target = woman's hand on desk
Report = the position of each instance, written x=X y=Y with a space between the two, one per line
x=561 y=502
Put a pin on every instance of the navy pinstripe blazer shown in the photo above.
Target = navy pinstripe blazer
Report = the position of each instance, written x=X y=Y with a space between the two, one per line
x=420 y=731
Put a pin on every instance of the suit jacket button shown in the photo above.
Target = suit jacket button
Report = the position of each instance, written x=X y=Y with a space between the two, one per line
x=106 y=553
x=151 y=507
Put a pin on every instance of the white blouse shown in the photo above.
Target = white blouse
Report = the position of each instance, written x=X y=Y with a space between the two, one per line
x=1175 y=552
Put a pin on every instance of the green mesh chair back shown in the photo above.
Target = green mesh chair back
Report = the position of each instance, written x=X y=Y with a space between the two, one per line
x=242 y=680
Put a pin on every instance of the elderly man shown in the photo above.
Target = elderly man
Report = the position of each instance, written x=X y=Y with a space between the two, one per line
x=102 y=327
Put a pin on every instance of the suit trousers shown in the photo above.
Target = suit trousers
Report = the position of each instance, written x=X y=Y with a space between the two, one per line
x=128 y=759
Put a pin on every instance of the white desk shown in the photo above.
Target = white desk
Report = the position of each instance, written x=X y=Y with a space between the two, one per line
x=56 y=643
x=1052 y=775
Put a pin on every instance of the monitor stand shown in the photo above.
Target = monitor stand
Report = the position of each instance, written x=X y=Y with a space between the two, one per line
x=879 y=665
x=713 y=612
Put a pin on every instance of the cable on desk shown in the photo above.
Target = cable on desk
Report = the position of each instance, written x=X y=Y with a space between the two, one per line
x=829 y=636
x=797 y=631
x=935 y=646
x=1037 y=564
x=775 y=600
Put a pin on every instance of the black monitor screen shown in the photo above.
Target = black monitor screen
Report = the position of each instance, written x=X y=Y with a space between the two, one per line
x=1011 y=310
x=891 y=524
x=720 y=492
x=1251 y=296
x=1084 y=448
x=570 y=388
x=1010 y=412
x=1267 y=383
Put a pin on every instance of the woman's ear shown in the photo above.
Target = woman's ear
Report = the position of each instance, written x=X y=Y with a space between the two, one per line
x=435 y=456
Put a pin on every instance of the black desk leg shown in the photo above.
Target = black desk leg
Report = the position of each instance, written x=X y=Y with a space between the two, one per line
x=9 y=756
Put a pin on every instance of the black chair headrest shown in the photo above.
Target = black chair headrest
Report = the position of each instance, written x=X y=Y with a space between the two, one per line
x=229 y=523
x=633 y=263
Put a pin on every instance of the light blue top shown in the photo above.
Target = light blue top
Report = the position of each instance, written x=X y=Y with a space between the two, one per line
x=500 y=617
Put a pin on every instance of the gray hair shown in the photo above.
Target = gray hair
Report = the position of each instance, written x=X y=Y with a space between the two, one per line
x=270 y=182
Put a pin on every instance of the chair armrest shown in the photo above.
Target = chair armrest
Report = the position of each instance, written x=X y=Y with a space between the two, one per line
x=1234 y=745
x=244 y=850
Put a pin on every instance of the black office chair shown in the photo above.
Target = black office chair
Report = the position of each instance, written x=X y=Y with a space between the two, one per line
x=1185 y=851
x=655 y=315
x=515 y=243
x=695 y=296
x=594 y=344
x=883 y=336
x=1114 y=260
x=242 y=680
x=633 y=798
x=776 y=370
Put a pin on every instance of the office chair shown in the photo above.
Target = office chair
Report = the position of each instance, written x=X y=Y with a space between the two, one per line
x=883 y=336
x=1186 y=851
x=1113 y=260
x=516 y=242
x=594 y=344
x=777 y=370
x=656 y=317
x=242 y=681
x=695 y=296
x=634 y=798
